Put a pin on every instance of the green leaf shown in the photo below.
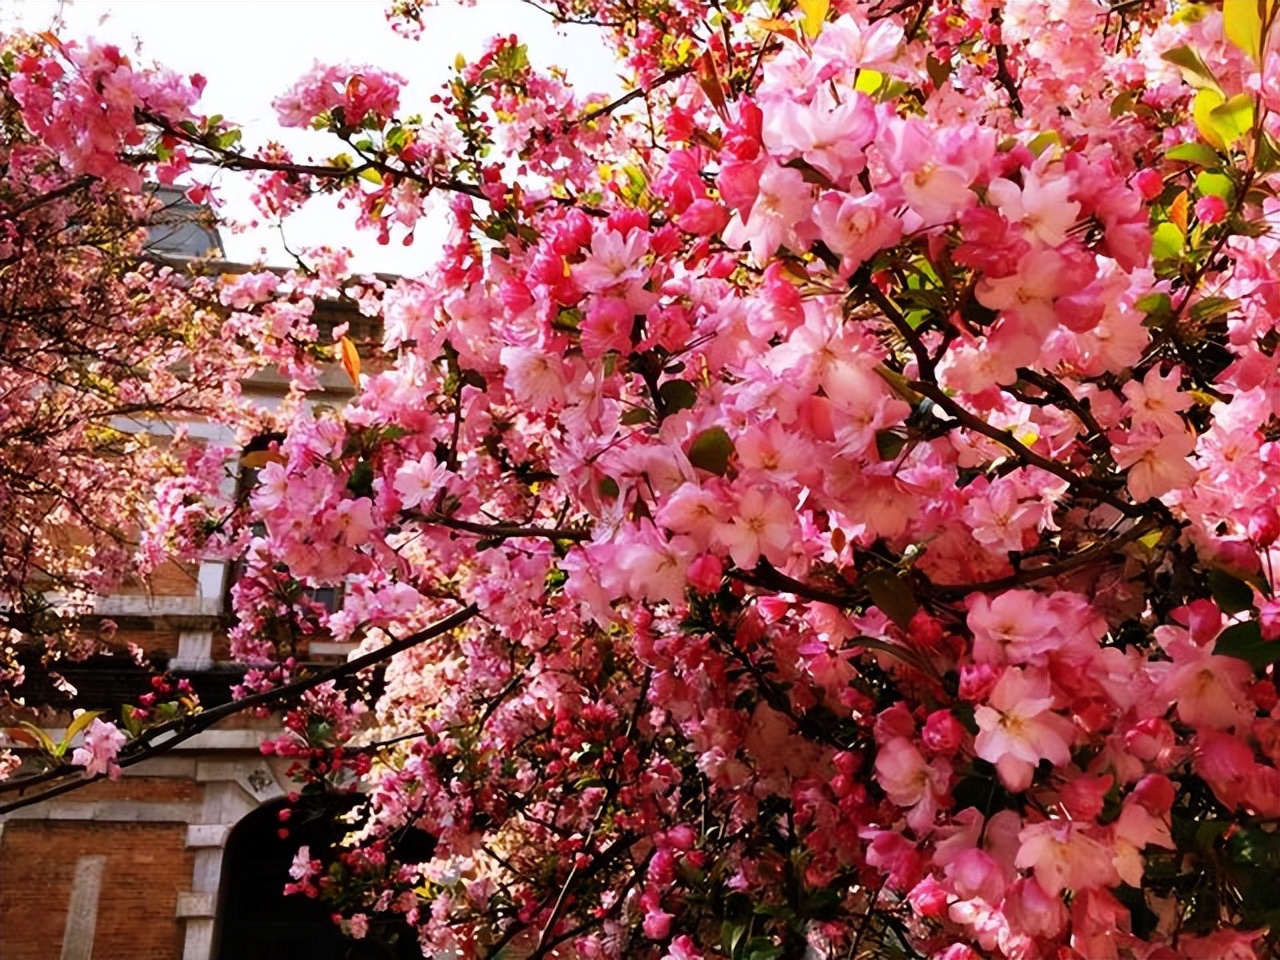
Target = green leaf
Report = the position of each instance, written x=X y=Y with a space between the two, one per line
x=890 y=593
x=1196 y=153
x=711 y=450
x=1231 y=594
x=1212 y=308
x=1194 y=70
x=1042 y=142
x=1166 y=241
x=761 y=948
x=733 y=934
x=360 y=483
x=1157 y=303
x=129 y=716
x=1266 y=156
x=636 y=416
x=1212 y=184
x=1244 y=642
x=1254 y=847
x=678 y=395
x=889 y=444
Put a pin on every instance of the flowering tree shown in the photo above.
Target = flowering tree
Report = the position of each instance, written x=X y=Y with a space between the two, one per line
x=101 y=342
x=822 y=503
x=109 y=351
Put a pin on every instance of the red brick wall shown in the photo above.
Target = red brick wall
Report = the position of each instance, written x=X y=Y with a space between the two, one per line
x=140 y=789
x=147 y=867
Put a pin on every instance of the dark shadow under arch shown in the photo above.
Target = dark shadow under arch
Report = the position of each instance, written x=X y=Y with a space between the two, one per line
x=256 y=920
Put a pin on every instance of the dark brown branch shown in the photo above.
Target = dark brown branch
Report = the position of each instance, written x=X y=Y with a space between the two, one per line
x=1091 y=554
x=509 y=531
x=1022 y=452
x=144 y=747
x=1003 y=76
x=635 y=94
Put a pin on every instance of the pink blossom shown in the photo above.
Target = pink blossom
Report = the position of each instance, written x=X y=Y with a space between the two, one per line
x=1040 y=206
x=418 y=481
x=1018 y=727
x=854 y=227
x=98 y=750
x=761 y=523
x=1157 y=464
x=1063 y=856
x=784 y=201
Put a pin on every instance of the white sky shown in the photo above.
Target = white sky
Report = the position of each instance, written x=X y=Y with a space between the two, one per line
x=251 y=51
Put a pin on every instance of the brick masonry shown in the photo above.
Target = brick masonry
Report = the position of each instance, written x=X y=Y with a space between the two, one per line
x=147 y=865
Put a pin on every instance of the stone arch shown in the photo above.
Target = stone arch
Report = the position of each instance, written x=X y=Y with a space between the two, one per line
x=255 y=919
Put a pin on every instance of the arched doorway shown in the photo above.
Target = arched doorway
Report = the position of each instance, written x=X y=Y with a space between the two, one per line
x=256 y=920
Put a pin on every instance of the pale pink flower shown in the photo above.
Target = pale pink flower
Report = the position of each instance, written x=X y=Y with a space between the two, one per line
x=418 y=481
x=351 y=521
x=1157 y=401
x=1157 y=464
x=1017 y=727
x=303 y=867
x=1041 y=206
x=1012 y=628
x=1208 y=691
x=98 y=750
x=830 y=135
x=534 y=377
x=910 y=781
x=1063 y=856
x=1029 y=293
x=784 y=201
x=614 y=260
x=855 y=228
x=763 y=523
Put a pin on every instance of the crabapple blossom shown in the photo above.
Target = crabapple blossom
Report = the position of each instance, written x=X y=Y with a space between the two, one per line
x=820 y=502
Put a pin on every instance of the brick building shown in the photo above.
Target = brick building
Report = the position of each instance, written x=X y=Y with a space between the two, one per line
x=179 y=859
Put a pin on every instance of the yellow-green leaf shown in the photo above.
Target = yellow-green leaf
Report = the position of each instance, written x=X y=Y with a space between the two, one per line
x=1201 y=108
x=1166 y=241
x=815 y=14
x=868 y=82
x=1196 y=153
x=1242 y=21
x=1043 y=141
x=1194 y=70
x=1234 y=118
x=85 y=718
x=1212 y=184
x=41 y=738
x=1222 y=122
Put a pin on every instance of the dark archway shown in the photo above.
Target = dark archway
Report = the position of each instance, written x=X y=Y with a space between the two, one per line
x=256 y=920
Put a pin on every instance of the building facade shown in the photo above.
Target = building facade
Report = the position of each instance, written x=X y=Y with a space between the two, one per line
x=182 y=858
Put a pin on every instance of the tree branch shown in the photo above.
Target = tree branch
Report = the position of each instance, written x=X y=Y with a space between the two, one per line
x=145 y=747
